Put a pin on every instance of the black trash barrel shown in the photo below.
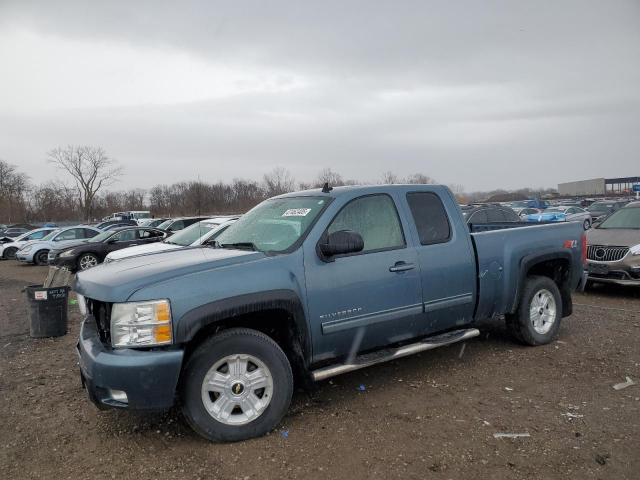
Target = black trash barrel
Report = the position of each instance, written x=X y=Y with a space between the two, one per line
x=47 y=311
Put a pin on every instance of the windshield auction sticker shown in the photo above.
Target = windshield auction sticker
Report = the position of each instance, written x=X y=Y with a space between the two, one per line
x=296 y=212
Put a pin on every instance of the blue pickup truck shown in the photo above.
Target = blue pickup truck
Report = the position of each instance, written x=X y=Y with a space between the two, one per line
x=309 y=285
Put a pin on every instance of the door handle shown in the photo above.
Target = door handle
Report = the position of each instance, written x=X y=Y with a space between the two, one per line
x=401 y=267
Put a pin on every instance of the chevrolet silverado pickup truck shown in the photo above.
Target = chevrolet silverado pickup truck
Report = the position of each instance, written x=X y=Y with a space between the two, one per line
x=306 y=286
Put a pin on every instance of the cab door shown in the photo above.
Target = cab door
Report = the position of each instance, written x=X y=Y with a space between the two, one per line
x=446 y=258
x=369 y=298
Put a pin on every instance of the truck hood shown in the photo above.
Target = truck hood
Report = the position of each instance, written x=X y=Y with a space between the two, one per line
x=117 y=281
x=613 y=236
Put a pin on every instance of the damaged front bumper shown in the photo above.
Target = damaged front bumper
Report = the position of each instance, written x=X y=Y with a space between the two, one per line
x=127 y=378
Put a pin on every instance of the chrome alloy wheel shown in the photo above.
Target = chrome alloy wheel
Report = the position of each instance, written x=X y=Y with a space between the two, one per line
x=88 y=261
x=542 y=311
x=237 y=389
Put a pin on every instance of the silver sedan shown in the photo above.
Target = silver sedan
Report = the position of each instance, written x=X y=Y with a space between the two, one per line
x=573 y=214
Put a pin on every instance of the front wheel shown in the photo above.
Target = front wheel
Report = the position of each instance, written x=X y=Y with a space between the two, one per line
x=537 y=319
x=9 y=253
x=40 y=258
x=236 y=385
x=87 y=260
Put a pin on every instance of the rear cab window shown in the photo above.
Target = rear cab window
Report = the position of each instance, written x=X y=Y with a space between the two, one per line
x=430 y=217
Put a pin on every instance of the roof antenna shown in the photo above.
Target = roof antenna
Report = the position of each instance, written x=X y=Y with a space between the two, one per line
x=326 y=188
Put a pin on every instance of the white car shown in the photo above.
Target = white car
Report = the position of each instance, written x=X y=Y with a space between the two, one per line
x=8 y=250
x=193 y=235
x=37 y=251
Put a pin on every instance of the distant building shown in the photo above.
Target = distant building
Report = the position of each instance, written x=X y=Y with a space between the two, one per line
x=595 y=186
x=598 y=187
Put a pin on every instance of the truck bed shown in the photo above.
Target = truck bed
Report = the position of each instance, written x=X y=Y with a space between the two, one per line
x=500 y=252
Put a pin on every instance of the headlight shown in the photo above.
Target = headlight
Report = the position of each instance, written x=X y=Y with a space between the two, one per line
x=68 y=253
x=141 y=324
x=26 y=249
x=107 y=259
x=635 y=250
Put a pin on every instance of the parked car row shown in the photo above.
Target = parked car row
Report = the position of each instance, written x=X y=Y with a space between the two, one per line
x=80 y=247
x=541 y=212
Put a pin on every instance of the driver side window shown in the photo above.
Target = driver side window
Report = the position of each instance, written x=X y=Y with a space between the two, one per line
x=375 y=218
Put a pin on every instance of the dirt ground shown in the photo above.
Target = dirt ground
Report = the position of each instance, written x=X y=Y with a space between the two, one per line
x=428 y=416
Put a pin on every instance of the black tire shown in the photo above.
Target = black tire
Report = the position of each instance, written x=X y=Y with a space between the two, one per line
x=9 y=253
x=586 y=224
x=40 y=257
x=91 y=256
x=520 y=325
x=231 y=342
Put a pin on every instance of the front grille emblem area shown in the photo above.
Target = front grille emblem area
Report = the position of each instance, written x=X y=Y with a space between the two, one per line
x=606 y=253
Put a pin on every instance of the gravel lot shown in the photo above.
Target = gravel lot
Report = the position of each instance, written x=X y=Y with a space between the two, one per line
x=428 y=416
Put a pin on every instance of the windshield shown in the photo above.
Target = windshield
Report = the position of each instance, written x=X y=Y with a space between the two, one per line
x=26 y=236
x=274 y=225
x=600 y=207
x=556 y=209
x=102 y=236
x=50 y=236
x=191 y=233
x=165 y=224
x=623 y=218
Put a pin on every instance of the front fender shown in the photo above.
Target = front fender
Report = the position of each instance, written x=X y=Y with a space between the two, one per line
x=210 y=313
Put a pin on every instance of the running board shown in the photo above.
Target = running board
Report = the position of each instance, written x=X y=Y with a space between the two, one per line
x=385 y=355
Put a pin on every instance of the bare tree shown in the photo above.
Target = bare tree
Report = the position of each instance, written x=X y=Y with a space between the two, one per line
x=278 y=181
x=419 y=178
x=327 y=175
x=13 y=186
x=90 y=168
x=389 y=178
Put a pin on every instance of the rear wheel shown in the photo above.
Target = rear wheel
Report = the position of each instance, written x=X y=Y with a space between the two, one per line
x=40 y=257
x=537 y=319
x=236 y=385
x=87 y=260
x=9 y=253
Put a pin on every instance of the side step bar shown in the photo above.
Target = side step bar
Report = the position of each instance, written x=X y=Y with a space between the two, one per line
x=369 y=359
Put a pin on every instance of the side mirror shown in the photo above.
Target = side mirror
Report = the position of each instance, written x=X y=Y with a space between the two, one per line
x=340 y=243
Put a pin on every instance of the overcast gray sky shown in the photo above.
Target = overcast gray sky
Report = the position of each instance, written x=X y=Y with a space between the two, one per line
x=483 y=94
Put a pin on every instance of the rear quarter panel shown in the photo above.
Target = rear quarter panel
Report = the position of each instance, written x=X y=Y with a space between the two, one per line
x=504 y=254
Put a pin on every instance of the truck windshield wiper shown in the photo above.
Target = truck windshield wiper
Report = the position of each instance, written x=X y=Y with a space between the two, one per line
x=239 y=245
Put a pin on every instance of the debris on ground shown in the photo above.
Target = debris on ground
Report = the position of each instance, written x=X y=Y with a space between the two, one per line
x=628 y=383
x=284 y=433
x=511 y=435
x=602 y=459
x=362 y=387
x=570 y=415
x=462 y=350
x=508 y=389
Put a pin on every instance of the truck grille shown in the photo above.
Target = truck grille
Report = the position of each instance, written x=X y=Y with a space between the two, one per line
x=101 y=311
x=602 y=253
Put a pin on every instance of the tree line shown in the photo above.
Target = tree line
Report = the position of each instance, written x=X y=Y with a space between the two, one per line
x=91 y=172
